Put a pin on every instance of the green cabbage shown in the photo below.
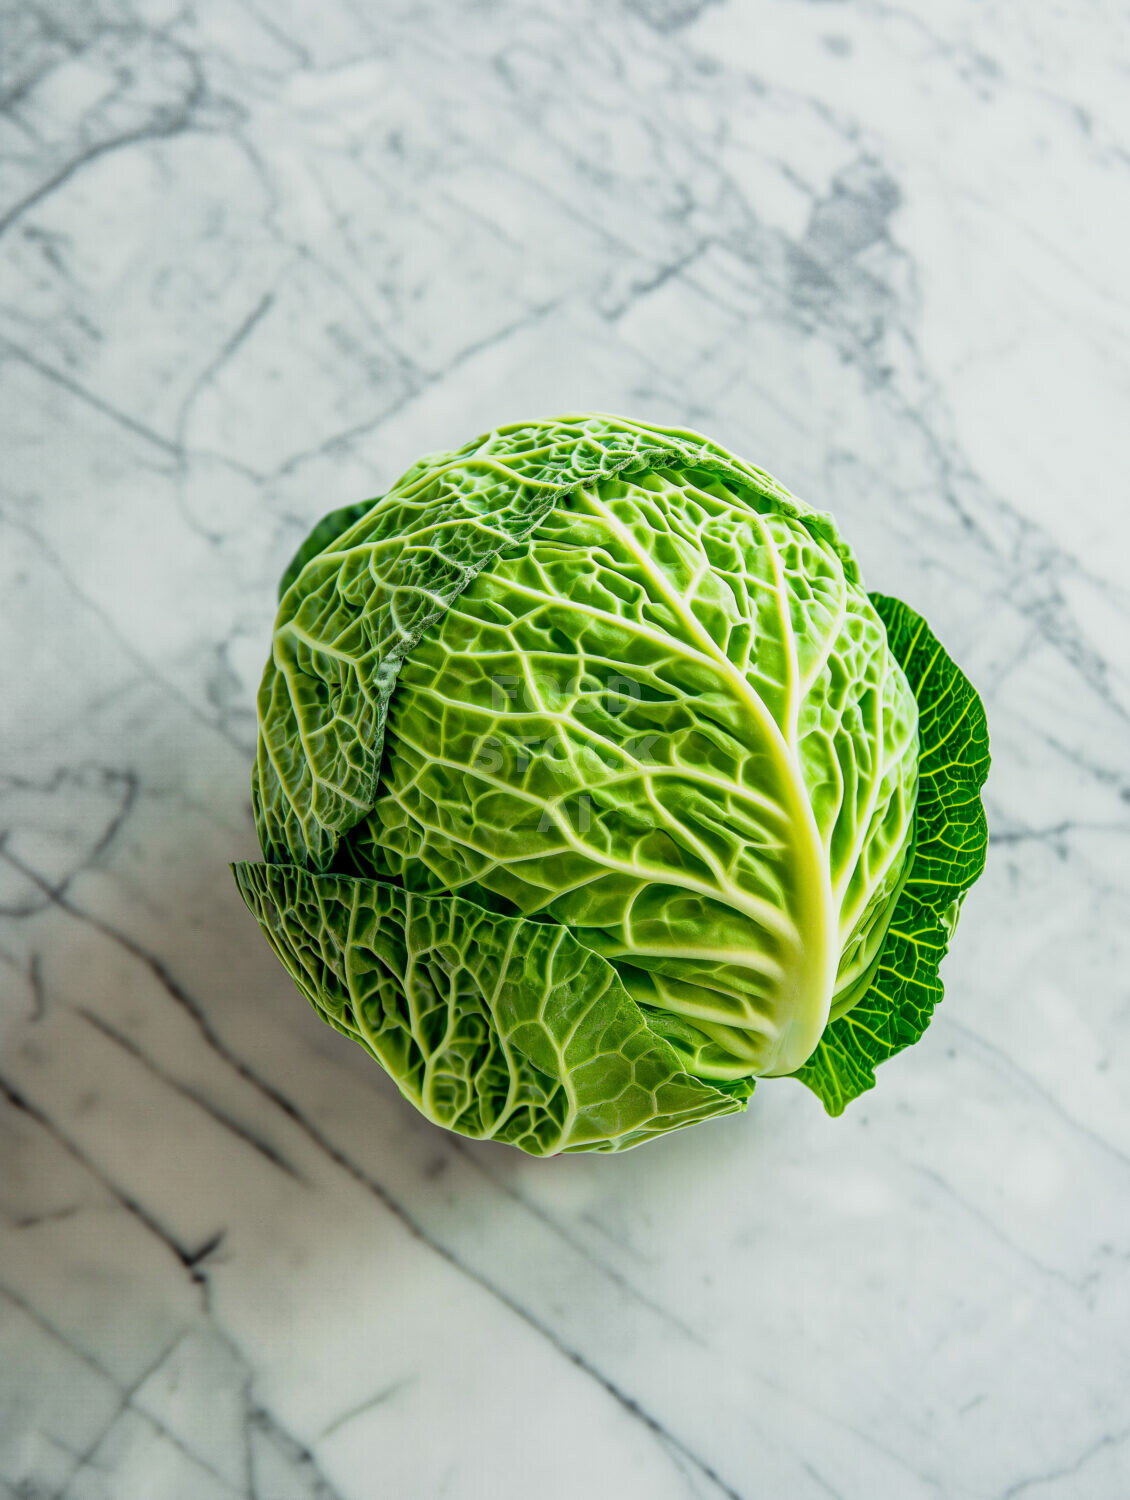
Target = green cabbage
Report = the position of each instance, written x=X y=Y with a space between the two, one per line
x=592 y=786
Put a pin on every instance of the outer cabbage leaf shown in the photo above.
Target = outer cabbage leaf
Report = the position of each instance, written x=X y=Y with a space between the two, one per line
x=949 y=855
x=328 y=529
x=496 y=1027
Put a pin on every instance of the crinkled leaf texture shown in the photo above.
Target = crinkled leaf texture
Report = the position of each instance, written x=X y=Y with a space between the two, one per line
x=582 y=945
x=361 y=600
x=497 y=1027
x=670 y=721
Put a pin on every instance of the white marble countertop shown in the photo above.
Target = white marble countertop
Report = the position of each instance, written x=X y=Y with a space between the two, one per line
x=254 y=258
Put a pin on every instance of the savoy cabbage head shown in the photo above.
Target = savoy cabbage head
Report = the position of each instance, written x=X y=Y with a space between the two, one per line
x=592 y=786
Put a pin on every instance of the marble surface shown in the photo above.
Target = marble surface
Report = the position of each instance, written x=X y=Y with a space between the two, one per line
x=254 y=258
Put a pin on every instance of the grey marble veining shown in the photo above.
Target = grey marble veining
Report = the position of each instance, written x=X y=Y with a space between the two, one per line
x=253 y=260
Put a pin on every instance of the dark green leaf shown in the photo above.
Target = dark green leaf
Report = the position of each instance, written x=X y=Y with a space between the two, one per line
x=952 y=837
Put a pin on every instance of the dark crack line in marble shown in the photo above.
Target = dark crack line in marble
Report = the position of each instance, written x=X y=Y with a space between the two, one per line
x=618 y=1279
x=1009 y=1068
x=973 y=67
x=986 y=1222
x=827 y=1488
x=230 y=347
x=213 y=1111
x=177 y=124
x=295 y=1452
x=71 y=1451
x=80 y=393
x=1117 y=780
x=150 y=435
x=53 y=1216
x=46 y=1326
x=125 y=1404
x=385 y=1394
x=52 y=31
x=125 y=1393
x=35 y=984
x=52 y=786
x=669 y=271
x=147 y=668
x=19 y=1101
x=300 y=53
x=690 y=1477
x=1055 y=832
x=426 y=381
x=627 y=1402
x=1108 y=1440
